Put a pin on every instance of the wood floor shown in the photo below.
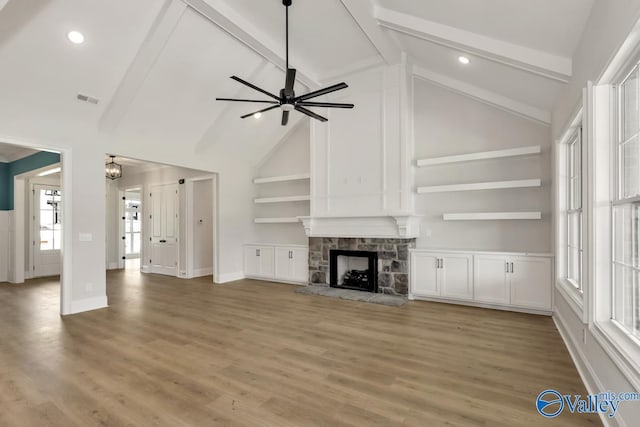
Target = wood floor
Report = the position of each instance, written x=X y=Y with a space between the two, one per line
x=175 y=353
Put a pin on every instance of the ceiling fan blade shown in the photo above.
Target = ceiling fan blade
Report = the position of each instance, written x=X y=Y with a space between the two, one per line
x=247 y=100
x=321 y=92
x=324 y=104
x=291 y=79
x=285 y=118
x=311 y=114
x=254 y=87
x=260 y=111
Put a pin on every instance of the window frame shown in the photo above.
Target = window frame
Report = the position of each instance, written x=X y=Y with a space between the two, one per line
x=620 y=200
x=574 y=295
x=571 y=194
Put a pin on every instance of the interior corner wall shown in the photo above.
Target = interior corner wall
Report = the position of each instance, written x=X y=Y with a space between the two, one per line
x=112 y=219
x=290 y=157
x=5 y=183
x=20 y=166
x=447 y=123
x=202 y=218
x=5 y=239
x=608 y=26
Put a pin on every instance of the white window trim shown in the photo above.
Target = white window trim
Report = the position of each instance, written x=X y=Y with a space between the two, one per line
x=569 y=291
x=623 y=348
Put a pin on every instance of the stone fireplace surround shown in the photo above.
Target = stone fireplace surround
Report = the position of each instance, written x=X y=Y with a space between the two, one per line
x=393 y=260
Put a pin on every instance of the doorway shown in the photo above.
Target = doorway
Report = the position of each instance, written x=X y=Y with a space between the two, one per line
x=132 y=228
x=46 y=230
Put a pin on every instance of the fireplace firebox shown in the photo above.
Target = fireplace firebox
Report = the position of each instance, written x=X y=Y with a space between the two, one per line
x=356 y=270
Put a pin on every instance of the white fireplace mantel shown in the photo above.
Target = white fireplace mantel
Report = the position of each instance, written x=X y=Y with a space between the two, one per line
x=398 y=226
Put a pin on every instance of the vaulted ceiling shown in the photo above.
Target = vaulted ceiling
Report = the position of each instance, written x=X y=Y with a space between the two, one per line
x=156 y=66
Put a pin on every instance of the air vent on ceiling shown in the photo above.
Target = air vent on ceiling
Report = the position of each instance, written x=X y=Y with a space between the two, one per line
x=89 y=99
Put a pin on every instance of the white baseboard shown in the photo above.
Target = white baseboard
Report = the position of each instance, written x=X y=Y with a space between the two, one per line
x=199 y=272
x=88 y=304
x=229 y=277
x=112 y=266
x=413 y=297
x=274 y=280
x=145 y=269
x=585 y=370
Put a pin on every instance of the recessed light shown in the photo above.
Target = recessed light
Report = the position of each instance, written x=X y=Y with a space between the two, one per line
x=463 y=60
x=75 y=37
x=257 y=115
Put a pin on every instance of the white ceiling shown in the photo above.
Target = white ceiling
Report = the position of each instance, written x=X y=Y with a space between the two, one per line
x=323 y=36
x=10 y=153
x=157 y=66
x=553 y=26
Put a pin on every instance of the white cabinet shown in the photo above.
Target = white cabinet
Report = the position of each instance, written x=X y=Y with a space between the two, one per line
x=292 y=264
x=530 y=278
x=517 y=281
x=491 y=280
x=258 y=261
x=277 y=263
x=442 y=275
x=424 y=274
x=501 y=280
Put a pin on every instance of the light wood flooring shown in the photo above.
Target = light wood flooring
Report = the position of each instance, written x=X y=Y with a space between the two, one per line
x=171 y=352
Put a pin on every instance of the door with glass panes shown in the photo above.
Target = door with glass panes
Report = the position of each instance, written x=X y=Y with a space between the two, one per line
x=47 y=230
x=132 y=224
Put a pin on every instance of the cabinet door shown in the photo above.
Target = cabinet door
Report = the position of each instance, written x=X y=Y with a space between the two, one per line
x=490 y=279
x=300 y=265
x=456 y=276
x=531 y=282
x=283 y=264
x=267 y=269
x=424 y=274
x=251 y=261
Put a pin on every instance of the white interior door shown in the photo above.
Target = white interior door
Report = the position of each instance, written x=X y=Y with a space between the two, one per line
x=47 y=230
x=164 y=229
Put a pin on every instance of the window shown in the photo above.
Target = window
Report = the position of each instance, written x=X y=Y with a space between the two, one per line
x=626 y=209
x=574 y=210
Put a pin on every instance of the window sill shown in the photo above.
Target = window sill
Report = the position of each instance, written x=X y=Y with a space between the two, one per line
x=573 y=297
x=623 y=350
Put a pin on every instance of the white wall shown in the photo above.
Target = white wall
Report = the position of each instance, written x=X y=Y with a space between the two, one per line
x=607 y=28
x=289 y=157
x=4 y=244
x=202 y=219
x=447 y=123
x=361 y=157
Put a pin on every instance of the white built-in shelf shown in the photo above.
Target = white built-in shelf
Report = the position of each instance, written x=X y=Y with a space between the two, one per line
x=512 y=152
x=285 y=199
x=491 y=216
x=496 y=185
x=297 y=177
x=276 y=220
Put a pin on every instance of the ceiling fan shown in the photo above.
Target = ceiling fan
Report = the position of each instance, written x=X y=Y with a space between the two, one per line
x=287 y=100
